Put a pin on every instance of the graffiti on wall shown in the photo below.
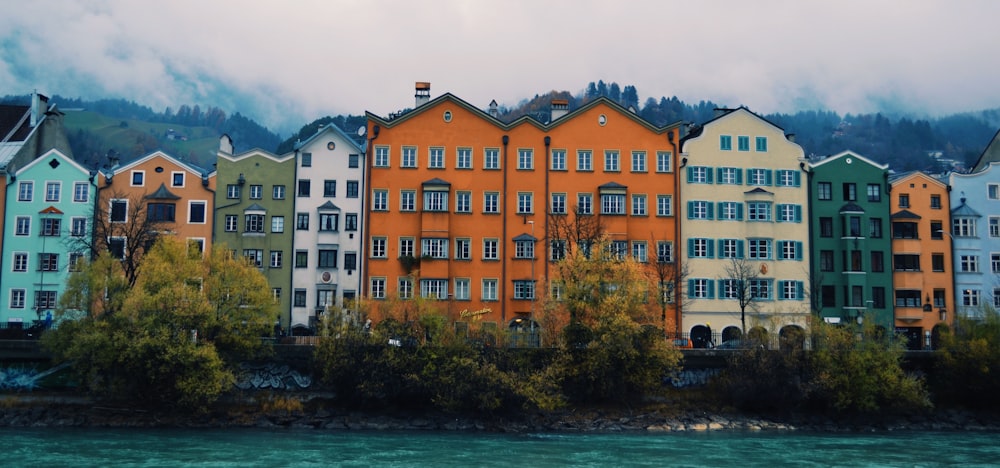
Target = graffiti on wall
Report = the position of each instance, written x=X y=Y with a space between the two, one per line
x=270 y=376
x=25 y=378
x=693 y=377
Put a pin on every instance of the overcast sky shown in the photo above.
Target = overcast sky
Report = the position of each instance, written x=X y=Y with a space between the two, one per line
x=287 y=63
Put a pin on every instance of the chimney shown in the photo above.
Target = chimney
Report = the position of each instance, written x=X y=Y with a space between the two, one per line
x=226 y=144
x=494 y=112
x=560 y=107
x=39 y=106
x=423 y=93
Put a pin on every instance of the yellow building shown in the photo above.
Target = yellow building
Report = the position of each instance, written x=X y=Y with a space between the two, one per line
x=744 y=199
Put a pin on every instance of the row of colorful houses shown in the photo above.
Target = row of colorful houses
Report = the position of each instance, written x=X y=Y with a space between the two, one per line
x=449 y=202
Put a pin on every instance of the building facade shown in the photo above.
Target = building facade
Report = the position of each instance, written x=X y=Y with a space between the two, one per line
x=47 y=229
x=743 y=220
x=254 y=206
x=921 y=257
x=976 y=234
x=851 y=243
x=328 y=240
x=463 y=206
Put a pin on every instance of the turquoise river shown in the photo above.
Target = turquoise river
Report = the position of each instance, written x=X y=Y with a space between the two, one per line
x=262 y=448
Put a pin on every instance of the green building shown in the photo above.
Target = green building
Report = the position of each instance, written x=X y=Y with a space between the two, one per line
x=851 y=273
x=254 y=206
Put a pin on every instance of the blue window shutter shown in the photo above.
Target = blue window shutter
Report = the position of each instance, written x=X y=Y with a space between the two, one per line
x=719 y=207
x=711 y=289
x=739 y=211
x=709 y=210
x=711 y=249
x=718 y=173
x=799 y=293
x=690 y=210
x=798 y=250
x=691 y=247
x=768 y=178
x=739 y=177
x=739 y=248
x=797 y=179
x=798 y=212
x=749 y=176
x=690 y=172
x=691 y=289
x=708 y=175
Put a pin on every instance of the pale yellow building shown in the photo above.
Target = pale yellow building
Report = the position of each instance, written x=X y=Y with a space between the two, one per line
x=744 y=204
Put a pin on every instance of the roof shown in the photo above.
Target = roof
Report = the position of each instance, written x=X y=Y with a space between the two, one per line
x=905 y=214
x=328 y=206
x=524 y=237
x=990 y=155
x=852 y=154
x=756 y=190
x=851 y=207
x=163 y=194
x=612 y=185
x=160 y=154
x=15 y=127
x=329 y=128
x=964 y=210
x=696 y=132
x=436 y=181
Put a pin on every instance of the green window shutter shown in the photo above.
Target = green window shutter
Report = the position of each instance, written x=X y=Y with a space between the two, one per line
x=739 y=177
x=798 y=212
x=711 y=289
x=711 y=249
x=690 y=174
x=690 y=210
x=798 y=250
x=709 y=210
x=690 y=247
x=797 y=179
x=768 y=178
x=739 y=248
x=690 y=289
x=708 y=175
x=799 y=290
x=739 y=211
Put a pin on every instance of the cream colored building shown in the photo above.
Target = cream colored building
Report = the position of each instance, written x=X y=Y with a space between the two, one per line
x=744 y=199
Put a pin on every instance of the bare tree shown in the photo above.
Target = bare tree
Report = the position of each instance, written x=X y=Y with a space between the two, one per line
x=669 y=274
x=739 y=284
x=568 y=233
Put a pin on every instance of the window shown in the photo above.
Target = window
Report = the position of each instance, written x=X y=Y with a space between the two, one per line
x=20 y=261
x=119 y=211
x=789 y=250
x=758 y=211
x=758 y=176
x=232 y=221
x=138 y=178
x=406 y=247
x=612 y=161
x=638 y=161
x=434 y=289
x=525 y=159
x=381 y=156
x=434 y=248
x=729 y=289
x=327 y=258
x=906 y=262
x=435 y=201
x=254 y=223
x=380 y=200
x=78 y=227
x=299 y=298
x=969 y=263
x=351 y=222
x=350 y=261
x=743 y=143
x=463 y=158
x=329 y=221
x=489 y=289
x=970 y=297
x=612 y=204
x=353 y=161
x=699 y=210
x=352 y=189
x=700 y=248
x=700 y=288
x=407 y=200
x=759 y=249
x=937 y=230
x=559 y=203
x=307 y=159
x=376 y=288
x=463 y=249
x=379 y=247
x=196 y=212
x=874 y=192
x=254 y=256
x=618 y=249
x=904 y=200
x=699 y=175
x=878 y=261
x=826 y=260
x=463 y=202
x=461 y=289
x=524 y=202
x=329 y=188
x=584 y=203
x=52 y=191
x=160 y=212
x=725 y=142
x=664 y=252
x=275 y=259
x=51 y=226
x=937 y=262
x=17 y=298
x=789 y=213
x=490 y=251
x=256 y=192
x=81 y=192
x=638 y=205
x=730 y=175
x=304 y=186
x=639 y=251
x=730 y=248
x=24 y=191
x=901 y=230
x=408 y=157
x=663 y=205
x=584 y=161
x=45 y=300
x=825 y=227
x=663 y=161
x=302 y=221
x=524 y=290
x=789 y=178
x=524 y=249
x=994 y=226
x=936 y=202
x=491 y=202
x=760 y=289
x=907 y=298
x=790 y=290
x=995 y=262
x=325 y=298
x=557 y=250
x=730 y=211
x=761 y=144
x=117 y=247
x=853 y=227
x=963 y=227
x=435 y=158
x=878 y=297
x=850 y=191
x=875 y=228
x=828 y=296
x=491 y=158
x=824 y=191
x=22 y=226
x=993 y=191
x=558 y=160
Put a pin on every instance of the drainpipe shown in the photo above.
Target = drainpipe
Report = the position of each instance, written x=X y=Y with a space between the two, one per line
x=366 y=222
x=677 y=236
x=813 y=305
x=503 y=238
x=548 y=200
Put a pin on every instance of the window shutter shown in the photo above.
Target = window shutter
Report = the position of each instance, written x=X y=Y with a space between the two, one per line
x=739 y=211
x=711 y=249
x=690 y=210
x=739 y=177
x=799 y=293
x=690 y=248
x=711 y=289
x=798 y=250
x=709 y=210
x=708 y=175
x=739 y=248
x=768 y=178
x=690 y=174
x=718 y=173
x=797 y=179
x=798 y=211
x=691 y=289
x=749 y=176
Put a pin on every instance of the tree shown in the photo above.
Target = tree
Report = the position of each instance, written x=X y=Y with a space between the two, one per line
x=739 y=284
x=573 y=236
x=176 y=334
x=669 y=275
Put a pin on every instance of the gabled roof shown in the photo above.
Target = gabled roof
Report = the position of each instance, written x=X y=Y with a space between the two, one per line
x=757 y=190
x=990 y=155
x=163 y=194
x=198 y=171
x=697 y=131
x=851 y=207
x=898 y=178
x=905 y=214
x=436 y=181
x=51 y=210
x=255 y=207
x=524 y=237
x=612 y=186
x=851 y=154
x=328 y=206
x=329 y=128
x=284 y=158
x=50 y=154
x=964 y=211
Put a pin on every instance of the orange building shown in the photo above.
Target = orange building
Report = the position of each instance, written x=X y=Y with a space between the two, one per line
x=460 y=201
x=921 y=257
x=178 y=197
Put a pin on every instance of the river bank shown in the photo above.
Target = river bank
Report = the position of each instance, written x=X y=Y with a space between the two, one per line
x=68 y=411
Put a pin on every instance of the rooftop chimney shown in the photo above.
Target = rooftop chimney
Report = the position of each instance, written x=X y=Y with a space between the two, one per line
x=39 y=106
x=423 y=93
x=494 y=112
x=560 y=107
x=226 y=144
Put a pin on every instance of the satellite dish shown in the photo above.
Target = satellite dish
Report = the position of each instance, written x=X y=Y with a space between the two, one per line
x=362 y=130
